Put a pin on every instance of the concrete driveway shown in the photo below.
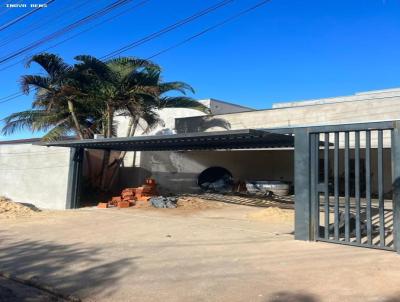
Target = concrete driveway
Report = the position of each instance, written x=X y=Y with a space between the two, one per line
x=174 y=255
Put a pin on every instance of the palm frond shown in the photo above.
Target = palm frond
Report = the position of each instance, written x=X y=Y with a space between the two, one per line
x=21 y=120
x=36 y=81
x=182 y=87
x=51 y=63
x=152 y=120
x=182 y=102
x=57 y=132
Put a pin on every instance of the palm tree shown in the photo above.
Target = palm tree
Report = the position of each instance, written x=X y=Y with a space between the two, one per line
x=132 y=87
x=84 y=98
x=54 y=108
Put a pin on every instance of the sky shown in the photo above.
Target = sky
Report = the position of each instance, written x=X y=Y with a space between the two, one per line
x=286 y=50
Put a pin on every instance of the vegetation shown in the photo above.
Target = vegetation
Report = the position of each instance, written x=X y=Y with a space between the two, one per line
x=84 y=98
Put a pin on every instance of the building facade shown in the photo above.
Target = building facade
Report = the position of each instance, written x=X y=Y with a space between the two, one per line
x=39 y=175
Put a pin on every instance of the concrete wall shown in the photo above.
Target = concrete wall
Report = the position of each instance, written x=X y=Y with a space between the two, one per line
x=360 y=96
x=34 y=174
x=177 y=172
x=221 y=107
x=386 y=108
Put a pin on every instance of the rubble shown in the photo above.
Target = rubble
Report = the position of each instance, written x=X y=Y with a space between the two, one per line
x=163 y=202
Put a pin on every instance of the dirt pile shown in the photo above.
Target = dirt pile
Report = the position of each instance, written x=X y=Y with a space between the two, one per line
x=273 y=214
x=10 y=209
x=187 y=202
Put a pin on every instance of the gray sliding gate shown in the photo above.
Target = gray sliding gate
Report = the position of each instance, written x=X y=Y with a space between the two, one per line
x=346 y=184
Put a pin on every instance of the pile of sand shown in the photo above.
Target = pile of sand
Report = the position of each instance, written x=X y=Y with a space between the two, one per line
x=273 y=214
x=10 y=209
x=196 y=203
x=186 y=203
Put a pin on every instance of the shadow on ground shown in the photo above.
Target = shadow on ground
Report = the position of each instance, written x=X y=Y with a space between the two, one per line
x=56 y=265
x=307 y=297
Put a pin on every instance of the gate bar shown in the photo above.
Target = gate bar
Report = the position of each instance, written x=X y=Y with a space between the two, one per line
x=380 y=190
x=347 y=186
x=396 y=185
x=336 y=184
x=368 y=184
x=357 y=184
x=316 y=183
x=304 y=222
x=326 y=182
x=313 y=184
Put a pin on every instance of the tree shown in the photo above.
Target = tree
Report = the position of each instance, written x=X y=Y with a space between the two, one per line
x=84 y=98
x=55 y=107
x=132 y=87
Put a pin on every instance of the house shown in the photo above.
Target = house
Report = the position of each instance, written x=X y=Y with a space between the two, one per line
x=39 y=174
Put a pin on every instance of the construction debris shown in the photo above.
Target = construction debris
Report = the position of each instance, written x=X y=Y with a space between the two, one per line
x=130 y=196
x=216 y=179
x=163 y=202
x=103 y=205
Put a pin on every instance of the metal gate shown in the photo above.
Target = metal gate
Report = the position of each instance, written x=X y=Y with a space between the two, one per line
x=353 y=190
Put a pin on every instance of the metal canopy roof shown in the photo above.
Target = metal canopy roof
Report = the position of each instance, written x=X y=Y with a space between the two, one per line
x=232 y=139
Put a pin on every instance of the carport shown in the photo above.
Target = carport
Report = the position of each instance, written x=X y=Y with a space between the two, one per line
x=321 y=215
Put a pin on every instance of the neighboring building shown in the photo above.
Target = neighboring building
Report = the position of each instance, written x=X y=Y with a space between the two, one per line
x=177 y=171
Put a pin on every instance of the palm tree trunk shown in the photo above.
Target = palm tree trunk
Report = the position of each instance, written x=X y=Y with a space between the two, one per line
x=107 y=153
x=75 y=119
x=132 y=126
x=110 y=120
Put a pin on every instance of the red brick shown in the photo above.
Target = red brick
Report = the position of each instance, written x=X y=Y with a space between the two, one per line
x=123 y=204
x=102 y=205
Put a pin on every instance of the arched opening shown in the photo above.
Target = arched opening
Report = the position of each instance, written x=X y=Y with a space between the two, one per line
x=215 y=179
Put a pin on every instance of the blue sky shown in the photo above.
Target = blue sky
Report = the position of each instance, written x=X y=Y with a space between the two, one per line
x=286 y=50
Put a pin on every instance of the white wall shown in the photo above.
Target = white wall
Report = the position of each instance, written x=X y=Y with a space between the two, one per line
x=221 y=107
x=34 y=174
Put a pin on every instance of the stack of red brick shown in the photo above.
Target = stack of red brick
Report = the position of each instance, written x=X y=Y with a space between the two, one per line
x=129 y=196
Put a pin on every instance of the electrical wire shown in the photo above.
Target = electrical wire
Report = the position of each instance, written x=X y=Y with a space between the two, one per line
x=11 y=98
x=219 y=24
x=32 y=27
x=166 y=29
x=96 y=25
x=148 y=37
x=20 y=18
x=78 y=34
x=74 y=25
x=236 y=16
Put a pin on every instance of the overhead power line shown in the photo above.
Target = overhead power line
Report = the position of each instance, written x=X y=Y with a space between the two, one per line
x=166 y=29
x=43 y=22
x=96 y=25
x=20 y=18
x=80 y=33
x=147 y=38
x=208 y=29
x=219 y=24
x=11 y=97
x=66 y=29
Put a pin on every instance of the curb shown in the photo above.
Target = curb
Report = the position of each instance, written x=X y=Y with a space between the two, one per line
x=34 y=283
